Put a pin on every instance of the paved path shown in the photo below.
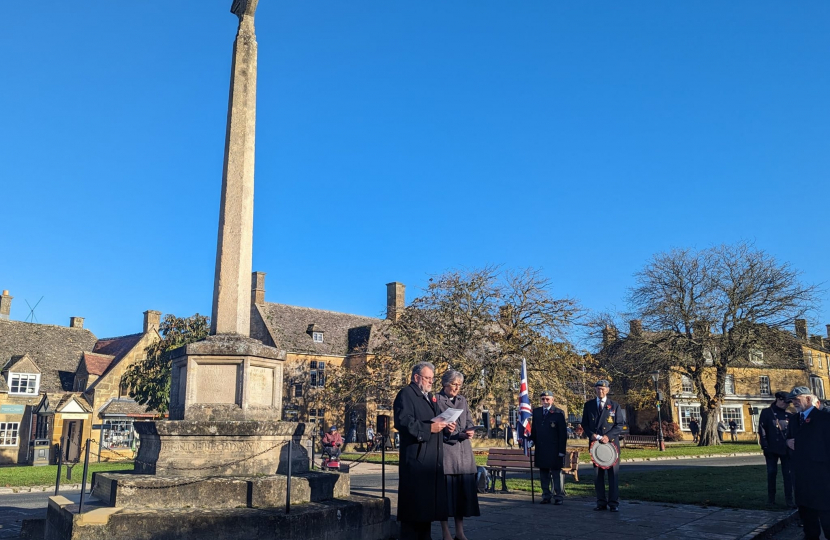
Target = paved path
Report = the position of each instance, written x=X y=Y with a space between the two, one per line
x=14 y=508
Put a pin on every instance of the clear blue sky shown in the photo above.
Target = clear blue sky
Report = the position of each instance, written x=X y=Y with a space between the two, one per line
x=396 y=140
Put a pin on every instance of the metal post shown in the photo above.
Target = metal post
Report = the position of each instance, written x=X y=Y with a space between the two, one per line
x=60 y=463
x=83 y=478
x=660 y=444
x=383 y=466
x=288 y=480
x=313 y=444
x=532 y=493
x=100 y=441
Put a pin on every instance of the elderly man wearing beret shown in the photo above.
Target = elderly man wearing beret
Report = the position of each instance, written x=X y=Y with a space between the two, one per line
x=602 y=421
x=549 y=434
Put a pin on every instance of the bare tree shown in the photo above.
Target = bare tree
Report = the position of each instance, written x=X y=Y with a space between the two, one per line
x=710 y=310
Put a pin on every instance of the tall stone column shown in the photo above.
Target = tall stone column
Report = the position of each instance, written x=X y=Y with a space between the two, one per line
x=231 y=313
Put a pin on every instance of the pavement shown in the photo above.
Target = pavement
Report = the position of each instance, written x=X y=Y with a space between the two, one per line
x=513 y=515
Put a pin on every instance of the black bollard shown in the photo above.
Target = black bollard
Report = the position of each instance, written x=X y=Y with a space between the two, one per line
x=60 y=463
x=83 y=478
x=288 y=480
x=313 y=441
x=383 y=466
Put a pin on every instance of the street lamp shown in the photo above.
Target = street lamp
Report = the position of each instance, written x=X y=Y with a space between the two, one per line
x=661 y=444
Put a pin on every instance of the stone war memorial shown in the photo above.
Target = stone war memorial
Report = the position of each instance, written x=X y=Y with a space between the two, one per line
x=218 y=467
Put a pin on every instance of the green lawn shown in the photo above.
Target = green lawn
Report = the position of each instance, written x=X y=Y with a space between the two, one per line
x=45 y=476
x=730 y=487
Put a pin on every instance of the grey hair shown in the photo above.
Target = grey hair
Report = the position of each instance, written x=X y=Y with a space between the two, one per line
x=417 y=368
x=451 y=375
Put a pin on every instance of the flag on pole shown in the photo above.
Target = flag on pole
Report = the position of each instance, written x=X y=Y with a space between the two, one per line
x=525 y=412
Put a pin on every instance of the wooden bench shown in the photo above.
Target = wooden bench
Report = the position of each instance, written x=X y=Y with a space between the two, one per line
x=639 y=440
x=501 y=460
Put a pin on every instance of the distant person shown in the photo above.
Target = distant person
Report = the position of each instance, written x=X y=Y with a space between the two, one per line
x=772 y=436
x=811 y=463
x=370 y=437
x=332 y=443
x=721 y=430
x=550 y=437
x=603 y=423
x=578 y=431
x=733 y=430
x=694 y=427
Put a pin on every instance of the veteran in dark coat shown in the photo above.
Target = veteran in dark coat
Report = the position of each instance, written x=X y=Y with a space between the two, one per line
x=549 y=433
x=602 y=421
x=811 y=463
x=422 y=491
x=773 y=426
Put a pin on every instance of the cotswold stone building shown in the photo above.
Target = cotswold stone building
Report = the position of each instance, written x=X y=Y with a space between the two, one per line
x=62 y=385
x=316 y=340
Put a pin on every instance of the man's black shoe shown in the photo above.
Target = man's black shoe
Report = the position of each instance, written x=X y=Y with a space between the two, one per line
x=557 y=502
x=615 y=509
x=545 y=501
x=601 y=508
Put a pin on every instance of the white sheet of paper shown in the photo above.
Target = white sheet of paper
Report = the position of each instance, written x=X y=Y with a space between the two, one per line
x=450 y=415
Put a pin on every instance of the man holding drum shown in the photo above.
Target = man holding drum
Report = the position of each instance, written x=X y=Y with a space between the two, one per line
x=602 y=421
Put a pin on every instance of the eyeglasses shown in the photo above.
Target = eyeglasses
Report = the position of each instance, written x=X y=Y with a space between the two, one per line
x=428 y=379
x=455 y=385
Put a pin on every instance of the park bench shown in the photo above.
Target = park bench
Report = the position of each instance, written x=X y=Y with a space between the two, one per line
x=502 y=460
x=639 y=440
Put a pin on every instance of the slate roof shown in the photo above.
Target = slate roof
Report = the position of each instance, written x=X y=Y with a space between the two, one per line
x=57 y=400
x=290 y=328
x=56 y=350
x=127 y=407
x=117 y=346
x=97 y=364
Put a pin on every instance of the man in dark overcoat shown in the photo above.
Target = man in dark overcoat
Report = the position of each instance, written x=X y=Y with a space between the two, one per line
x=549 y=434
x=811 y=463
x=422 y=492
x=602 y=421
x=773 y=426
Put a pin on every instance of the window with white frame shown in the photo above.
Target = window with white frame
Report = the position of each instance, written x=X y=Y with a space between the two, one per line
x=317 y=337
x=317 y=377
x=118 y=434
x=817 y=385
x=686 y=385
x=513 y=416
x=316 y=415
x=8 y=433
x=819 y=361
x=756 y=357
x=729 y=384
x=298 y=390
x=764 y=386
x=809 y=357
x=687 y=412
x=24 y=383
x=736 y=413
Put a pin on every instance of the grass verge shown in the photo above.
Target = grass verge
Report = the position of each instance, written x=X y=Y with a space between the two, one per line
x=24 y=476
x=730 y=487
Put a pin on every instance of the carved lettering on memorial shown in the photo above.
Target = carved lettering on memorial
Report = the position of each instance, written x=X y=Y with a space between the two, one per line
x=216 y=383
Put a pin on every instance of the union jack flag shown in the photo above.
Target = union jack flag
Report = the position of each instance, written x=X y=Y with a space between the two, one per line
x=525 y=412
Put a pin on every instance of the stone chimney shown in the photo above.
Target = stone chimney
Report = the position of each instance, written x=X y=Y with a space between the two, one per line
x=6 y=306
x=76 y=322
x=635 y=328
x=395 y=300
x=826 y=326
x=801 y=328
x=151 y=320
x=257 y=288
x=817 y=341
x=609 y=335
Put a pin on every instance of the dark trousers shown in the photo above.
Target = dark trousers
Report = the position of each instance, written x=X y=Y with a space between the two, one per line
x=415 y=530
x=814 y=522
x=786 y=473
x=613 y=498
x=720 y=436
x=545 y=476
x=694 y=436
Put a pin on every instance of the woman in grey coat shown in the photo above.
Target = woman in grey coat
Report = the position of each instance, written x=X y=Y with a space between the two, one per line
x=459 y=463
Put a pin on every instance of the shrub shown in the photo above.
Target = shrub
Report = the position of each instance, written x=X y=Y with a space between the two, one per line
x=671 y=431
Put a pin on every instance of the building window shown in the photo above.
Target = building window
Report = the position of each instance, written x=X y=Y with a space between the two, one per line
x=318 y=374
x=686 y=385
x=809 y=355
x=817 y=386
x=118 y=434
x=316 y=415
x=513 y=416
x=298 y=390
x=24 y=383
x=756 y=357
x=289 y=415
x=819 y=361
x=42 y=428
x=728 y=414
x=764 y=384
x=80 y=385
x=317 y=337
x=8 y=433
x=729 y=384
x=687 y=412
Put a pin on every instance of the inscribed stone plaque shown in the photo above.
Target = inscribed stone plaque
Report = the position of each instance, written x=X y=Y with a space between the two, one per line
x=260 y=386
x=216 y=383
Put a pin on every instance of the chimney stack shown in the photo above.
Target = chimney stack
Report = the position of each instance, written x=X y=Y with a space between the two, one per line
x=635 y=327
x=257 y=288
x=817 y=341
x=801 y=328
x=76 y=322
x=6 y=306
x=151 y=320
x=828 y=330
x=609 y=335
x=395 y=300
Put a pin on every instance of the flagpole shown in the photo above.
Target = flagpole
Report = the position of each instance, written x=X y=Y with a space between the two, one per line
x=532 y=493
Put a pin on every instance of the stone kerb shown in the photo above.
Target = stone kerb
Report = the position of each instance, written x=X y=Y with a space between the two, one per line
x=198 y=449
